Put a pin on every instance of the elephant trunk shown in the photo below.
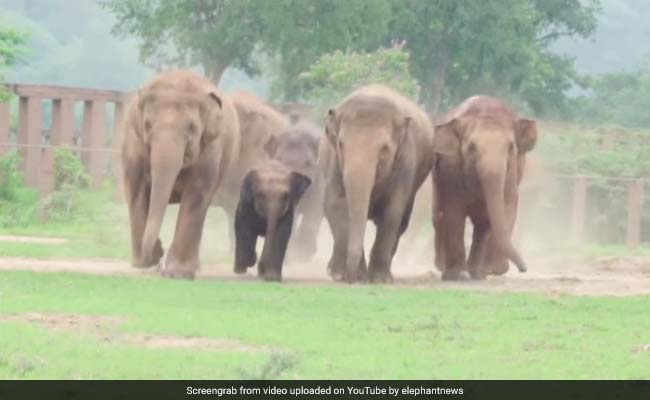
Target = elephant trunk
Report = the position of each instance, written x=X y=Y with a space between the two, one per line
x=493 y=182
x=358 y=181
x=165 y=167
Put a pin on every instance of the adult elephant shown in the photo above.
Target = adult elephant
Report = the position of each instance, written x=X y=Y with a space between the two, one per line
x=258 y=123
x=180 y=134
x=380 y=150
x=480 y=148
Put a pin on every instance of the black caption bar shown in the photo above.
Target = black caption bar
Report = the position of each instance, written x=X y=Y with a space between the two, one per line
x=163 y=390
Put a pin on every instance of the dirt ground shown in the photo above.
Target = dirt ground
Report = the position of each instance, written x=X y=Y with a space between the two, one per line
x=607 y=277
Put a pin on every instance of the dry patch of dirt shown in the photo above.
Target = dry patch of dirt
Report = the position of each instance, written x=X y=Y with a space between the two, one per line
x=106 y=328
x=32 y=239
x=620 y=276
x=184 y=342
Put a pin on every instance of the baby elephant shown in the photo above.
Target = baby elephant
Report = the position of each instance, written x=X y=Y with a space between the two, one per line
x=267 y=201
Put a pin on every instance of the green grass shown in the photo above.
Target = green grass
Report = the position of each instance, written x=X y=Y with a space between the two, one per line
x=106 y=235
x=329 y=332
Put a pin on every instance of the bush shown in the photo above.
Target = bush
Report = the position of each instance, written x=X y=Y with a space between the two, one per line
x=18 y=204
x=335 y=75
x=70 y=181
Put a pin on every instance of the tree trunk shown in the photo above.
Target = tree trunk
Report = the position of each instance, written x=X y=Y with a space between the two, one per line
x=438 y=82
x=214 y=71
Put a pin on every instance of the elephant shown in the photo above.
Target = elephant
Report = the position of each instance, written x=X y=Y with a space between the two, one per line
x=480 y=153
x=298 y=148
x=258 y=123
x=266 y=207
x=379 y=150
x=179 y=137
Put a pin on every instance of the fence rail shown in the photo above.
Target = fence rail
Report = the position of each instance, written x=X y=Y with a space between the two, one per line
x=36 y=156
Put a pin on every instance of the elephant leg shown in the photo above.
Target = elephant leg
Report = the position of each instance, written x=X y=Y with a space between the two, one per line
x=477 y=252
x=274 y=251
x=183 y=258
x=246 y=239
x=137 y=194
x=336 y=215
x=450 y=230
x=390 y=227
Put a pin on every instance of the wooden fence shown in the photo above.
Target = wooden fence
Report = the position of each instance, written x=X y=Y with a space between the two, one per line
x=36 y=149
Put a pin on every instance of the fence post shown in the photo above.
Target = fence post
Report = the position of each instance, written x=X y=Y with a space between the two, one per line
x=634 y=212
x=94 y=133
x=579 y=206
x=117 y=147
x=5 y=126
x=62 y=133
x=30 y=134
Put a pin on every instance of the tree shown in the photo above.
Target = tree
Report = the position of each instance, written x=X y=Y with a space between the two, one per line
x=495 y=45
x=11 y=47
x=214 y=34
x=334 y=75
x=298 y=32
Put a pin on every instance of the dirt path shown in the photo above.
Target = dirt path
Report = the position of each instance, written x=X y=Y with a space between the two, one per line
x=608 y=277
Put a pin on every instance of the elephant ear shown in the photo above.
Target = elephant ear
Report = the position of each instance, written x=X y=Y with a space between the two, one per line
x=299 y=184
x=447 y=138
x=211 y=109
x=403 y=131
x=249 y=187
x=526 y=134
x=332 y=122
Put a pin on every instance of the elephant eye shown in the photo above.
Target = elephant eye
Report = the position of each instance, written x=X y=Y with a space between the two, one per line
x=191 y=127
x=471 y=148
x=147 y=125
x=511 y=147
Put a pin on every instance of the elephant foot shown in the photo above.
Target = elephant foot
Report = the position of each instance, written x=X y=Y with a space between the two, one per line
x=381 y=277
x=454 y=275
x=477 y=274
x=153 y=260
x=359 y=274
x=242 y=266
x=176 y=270
x=178 y=274
x=272 y=276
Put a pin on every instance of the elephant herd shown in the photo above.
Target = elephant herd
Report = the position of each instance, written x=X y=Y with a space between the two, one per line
x=188 y=143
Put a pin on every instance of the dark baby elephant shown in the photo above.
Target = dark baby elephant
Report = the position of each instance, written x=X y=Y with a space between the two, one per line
x=297 y=149
x=267 y=202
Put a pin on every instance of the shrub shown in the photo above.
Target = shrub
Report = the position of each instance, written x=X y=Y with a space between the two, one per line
x=335 y=75
x=18 y=204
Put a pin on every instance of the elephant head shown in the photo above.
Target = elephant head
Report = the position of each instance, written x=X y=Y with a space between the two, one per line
x=486 y=141
x=367 y=134
x=297 y=148
x=175 y=126
x=271 y=192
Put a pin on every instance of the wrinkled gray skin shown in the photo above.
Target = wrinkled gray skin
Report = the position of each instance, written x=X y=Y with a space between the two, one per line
x=379 y=151
x=297 y=148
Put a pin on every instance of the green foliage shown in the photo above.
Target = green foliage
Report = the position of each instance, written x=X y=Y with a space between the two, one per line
x=335 y=75
x=621 y=98
x=11 y=48
x=498 y=47
x=18 y=203
x=299 y=32
x=214 y=34
x=66 y=201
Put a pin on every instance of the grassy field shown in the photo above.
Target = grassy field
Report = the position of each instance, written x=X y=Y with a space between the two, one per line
x=293 y=331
